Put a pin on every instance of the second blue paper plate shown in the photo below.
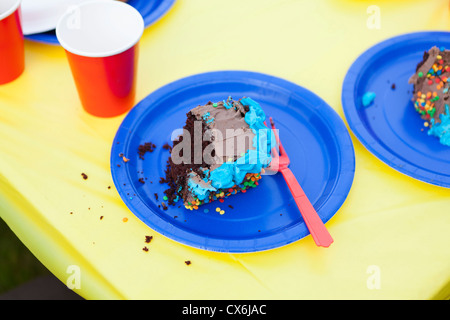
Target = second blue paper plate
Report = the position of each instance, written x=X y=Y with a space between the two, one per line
x=151 y=11
x=263 y=218
x=390 y=128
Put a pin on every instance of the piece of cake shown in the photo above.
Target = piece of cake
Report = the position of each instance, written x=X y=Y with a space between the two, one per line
x=224 y=149
x=431 y=92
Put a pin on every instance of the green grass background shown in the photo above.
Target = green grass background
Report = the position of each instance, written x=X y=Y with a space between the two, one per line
x=17 y=264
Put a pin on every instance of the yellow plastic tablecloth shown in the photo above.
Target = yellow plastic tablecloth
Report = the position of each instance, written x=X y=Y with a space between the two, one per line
x=392 y=235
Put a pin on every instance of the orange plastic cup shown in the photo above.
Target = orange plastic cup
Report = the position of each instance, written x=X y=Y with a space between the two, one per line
x=12 y=52
x=101 y=40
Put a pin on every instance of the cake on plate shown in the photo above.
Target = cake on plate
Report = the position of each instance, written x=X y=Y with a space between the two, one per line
x=223 y=149
x=431 y=92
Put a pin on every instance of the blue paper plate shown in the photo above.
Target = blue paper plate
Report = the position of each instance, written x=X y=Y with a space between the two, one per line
x=266 y=217
x=390 y=128
x=151 y=11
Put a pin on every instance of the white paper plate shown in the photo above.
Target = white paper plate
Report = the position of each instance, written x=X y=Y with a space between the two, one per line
x=42 y=15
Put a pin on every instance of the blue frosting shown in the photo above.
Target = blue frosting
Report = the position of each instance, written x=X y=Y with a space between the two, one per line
x=253 y=161
x=264 y=138
x=442 y=129
x=368 y=98
x=207 y=117
x=202 y=192
x=230 y=174
x=227 y=104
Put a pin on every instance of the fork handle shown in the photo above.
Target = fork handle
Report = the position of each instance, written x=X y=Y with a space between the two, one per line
x=315 y=225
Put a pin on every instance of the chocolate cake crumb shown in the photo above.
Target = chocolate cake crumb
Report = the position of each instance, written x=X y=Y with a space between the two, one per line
x=109 y=187
x=84 y=175
x=393 y=86
x=145 y=249
x=156 y=196
x=230 y=206
x=187 y=262
x=148 y=239
x=167 y=147
x=144 y=148
x=101 y=217
x=164 y=206
x=141 y=180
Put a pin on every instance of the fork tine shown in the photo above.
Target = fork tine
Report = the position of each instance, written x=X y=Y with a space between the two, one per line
x=273 y=148
x=277 y=138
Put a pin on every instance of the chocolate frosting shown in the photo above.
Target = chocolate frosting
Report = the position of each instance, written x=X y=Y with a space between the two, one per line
x=231 y=135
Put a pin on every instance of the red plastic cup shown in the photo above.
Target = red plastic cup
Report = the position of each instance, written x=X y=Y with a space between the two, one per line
x=12 y=53
x=101 y=40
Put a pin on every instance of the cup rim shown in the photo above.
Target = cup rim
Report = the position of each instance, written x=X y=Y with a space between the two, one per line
x=119 y=50
x=11 y=10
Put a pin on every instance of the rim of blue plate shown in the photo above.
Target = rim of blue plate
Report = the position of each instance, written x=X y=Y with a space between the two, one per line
x=154 y=16
x=332 y=205
x=360 y=131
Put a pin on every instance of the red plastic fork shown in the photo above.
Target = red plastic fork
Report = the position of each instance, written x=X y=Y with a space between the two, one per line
x=315 y=225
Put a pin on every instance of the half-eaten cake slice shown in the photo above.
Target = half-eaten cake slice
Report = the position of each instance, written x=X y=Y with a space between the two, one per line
x=223 y=149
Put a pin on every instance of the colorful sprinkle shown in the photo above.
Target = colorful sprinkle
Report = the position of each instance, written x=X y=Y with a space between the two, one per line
x=428 y=103
x=250 y=181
